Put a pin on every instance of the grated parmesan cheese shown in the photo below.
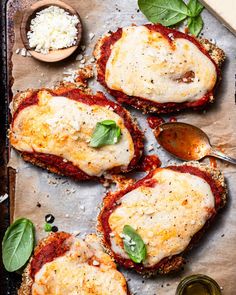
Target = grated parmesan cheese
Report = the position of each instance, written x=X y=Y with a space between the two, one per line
x=52 y=28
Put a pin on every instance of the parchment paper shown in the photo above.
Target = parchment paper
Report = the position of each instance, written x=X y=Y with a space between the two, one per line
x=75 y=205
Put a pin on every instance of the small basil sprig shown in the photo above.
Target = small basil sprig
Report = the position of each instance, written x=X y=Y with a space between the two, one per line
x=195 y=25
x=165 y=12
x=47 y=227
x=106 y=132
x=195 y=22
x=17 y=244
x=133 y=244
x=171 y=12
x=195 y=7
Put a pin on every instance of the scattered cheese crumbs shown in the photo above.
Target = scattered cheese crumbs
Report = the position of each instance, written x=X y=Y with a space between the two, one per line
x=83 y=61
x=95 y=262
x=91 y=36
x=3 y=198
x=11 y=107
x=71 y=75
x=112 y=235
x=52 y=28
x=83 y=47
x=23 y=52
x=92 y=60
x=79 y=57
x=82 y=208
x=213 y=41
x=171 y=36
x=127 y=240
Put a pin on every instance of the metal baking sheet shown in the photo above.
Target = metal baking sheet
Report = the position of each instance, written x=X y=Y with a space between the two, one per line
x=75 y=205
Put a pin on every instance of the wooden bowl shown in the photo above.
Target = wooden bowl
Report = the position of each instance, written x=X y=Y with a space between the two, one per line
x=53 y=55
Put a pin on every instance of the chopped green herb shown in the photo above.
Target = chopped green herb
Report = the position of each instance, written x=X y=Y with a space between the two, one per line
x=47 y=227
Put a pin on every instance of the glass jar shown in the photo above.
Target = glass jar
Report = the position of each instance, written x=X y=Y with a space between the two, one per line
x=198 y=285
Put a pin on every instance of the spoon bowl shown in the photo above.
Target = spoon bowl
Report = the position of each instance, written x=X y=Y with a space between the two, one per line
x=187 y=142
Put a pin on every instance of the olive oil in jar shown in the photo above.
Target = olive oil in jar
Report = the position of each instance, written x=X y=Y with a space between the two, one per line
x=198 y=285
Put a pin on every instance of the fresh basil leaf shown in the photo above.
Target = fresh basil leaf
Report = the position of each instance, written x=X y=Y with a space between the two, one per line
x=195 y=7
x=47 y=227
x=165 y=12
x=195 y=25
x=106 y=132
x=17 y=244
x=134 y=245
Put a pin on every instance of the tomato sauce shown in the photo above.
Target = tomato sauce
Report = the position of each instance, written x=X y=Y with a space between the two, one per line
x=173 y=119
x=155 y=122
x=149 y=163
x=213 y=162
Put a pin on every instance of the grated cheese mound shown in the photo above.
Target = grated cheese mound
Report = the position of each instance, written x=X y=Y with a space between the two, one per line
x=52 y=28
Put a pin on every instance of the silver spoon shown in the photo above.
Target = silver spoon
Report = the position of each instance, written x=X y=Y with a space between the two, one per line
x=187 y=142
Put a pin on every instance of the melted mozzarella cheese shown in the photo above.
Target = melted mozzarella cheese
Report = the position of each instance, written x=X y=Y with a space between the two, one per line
x=143 y=63
x=166 y=216
x=84 y=270
x=63 y=127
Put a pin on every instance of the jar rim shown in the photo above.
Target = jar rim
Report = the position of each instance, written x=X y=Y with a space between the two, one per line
x=186 y=281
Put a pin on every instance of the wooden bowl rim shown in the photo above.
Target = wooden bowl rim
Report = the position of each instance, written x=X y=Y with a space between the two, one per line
x=54 y=55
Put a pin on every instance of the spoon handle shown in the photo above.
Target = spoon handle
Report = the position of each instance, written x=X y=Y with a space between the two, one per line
x=216 y=153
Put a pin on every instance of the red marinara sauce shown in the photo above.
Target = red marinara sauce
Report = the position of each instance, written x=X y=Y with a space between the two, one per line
x=149 y=163
x=155 y=122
